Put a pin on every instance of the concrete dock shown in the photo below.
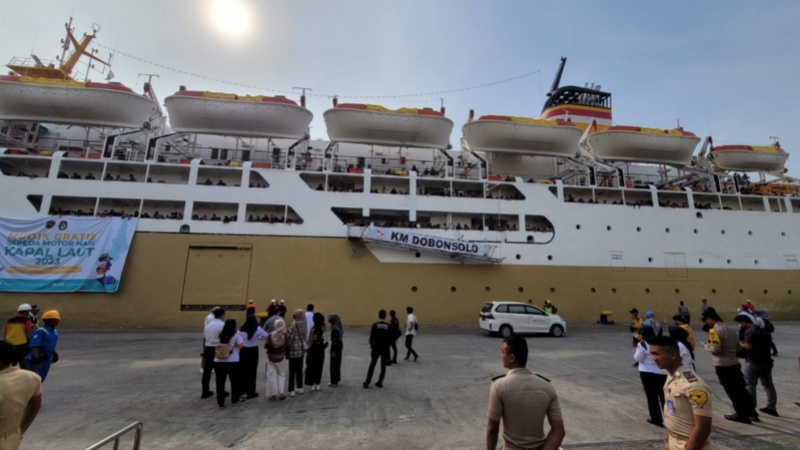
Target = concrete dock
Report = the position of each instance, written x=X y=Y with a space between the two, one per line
x=107 y=380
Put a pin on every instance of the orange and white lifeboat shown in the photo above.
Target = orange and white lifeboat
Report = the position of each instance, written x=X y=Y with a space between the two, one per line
x=522 y=136
x=375 y=124
x=648 y=145
x=237 y=115
x=749 y=158
x=32 y=99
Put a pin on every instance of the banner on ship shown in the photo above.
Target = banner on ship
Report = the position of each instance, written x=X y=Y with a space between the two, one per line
x=64 y=253
x=424 y=241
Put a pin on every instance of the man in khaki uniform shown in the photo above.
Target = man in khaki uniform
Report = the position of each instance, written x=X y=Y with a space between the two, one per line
x=20 y=399
x=522 y=400
x=687 y=411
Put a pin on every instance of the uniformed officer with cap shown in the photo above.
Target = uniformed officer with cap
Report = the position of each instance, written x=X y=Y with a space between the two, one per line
x=687 y=411
x=522 y=400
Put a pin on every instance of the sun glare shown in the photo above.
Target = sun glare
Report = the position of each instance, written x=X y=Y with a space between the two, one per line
x=231 y=17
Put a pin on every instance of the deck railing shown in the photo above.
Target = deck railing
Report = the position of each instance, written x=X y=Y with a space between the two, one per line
x=137 y=439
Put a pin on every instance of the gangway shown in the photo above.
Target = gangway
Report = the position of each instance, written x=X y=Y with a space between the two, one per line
x=472 y=251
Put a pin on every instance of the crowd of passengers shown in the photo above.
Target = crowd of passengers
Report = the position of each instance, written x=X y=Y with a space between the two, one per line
x=640 y=203
x=444 y=226
x=115 y=213
x=273 y=219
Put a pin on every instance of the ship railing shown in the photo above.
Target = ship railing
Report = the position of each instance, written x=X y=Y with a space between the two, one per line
x=136 y=427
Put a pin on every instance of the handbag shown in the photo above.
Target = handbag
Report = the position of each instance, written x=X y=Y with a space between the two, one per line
x=222 y=351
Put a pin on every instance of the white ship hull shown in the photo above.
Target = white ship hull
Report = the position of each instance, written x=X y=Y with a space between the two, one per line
x=237 y=118
x=388 y=128
x=749 y=161
x=83 y=106
x=495 y=136
x=616 y=145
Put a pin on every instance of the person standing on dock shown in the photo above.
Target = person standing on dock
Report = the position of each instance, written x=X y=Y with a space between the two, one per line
x=759 y=363
x=636 y=323
x=379 y=339
x=210 y=342
x=21 y=391
x=394 y=331
x=683 y=311
x=337 y=346
x=18 y=331
x=43 y=345
x=252 y=335
x=411 y=330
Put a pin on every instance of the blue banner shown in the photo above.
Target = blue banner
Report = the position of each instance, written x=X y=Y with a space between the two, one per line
x=64 y=253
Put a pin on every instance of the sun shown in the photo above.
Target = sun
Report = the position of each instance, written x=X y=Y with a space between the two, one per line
x=231 y=17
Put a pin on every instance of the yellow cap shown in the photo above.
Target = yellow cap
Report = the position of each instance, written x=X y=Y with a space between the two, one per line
x=52 y=314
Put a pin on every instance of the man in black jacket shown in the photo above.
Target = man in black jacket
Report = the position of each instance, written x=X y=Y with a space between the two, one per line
x=379 y=340
x=395 y=333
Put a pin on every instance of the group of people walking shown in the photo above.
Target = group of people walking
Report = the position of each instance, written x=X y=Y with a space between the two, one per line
x=34 y=343
x=233 y=353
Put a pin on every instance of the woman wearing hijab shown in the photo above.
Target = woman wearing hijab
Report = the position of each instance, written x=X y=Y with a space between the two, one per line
x=226 y=363
x=650 y=321
x=316 y=352
x=653 y=378
x=248 y=364
x=297 y=351
x=336 y=349
x=682 y=337
x=276 y=353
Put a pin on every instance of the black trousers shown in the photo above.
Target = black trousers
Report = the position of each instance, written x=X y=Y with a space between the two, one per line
x=18 y=358
x=383 y=355
x=653 y=385
x=393 y=354
x=231 y=371
x=732 y=380
x=409 y=341
x=295 y=373
x=248 y=364
x=336 y=362
x=208 y=366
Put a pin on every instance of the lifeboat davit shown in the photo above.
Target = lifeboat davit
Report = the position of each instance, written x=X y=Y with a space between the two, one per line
x=522 y=136
x=31 y=99
x=237 y=115
x=375 y=124
x=648 y=145
x=749 y=158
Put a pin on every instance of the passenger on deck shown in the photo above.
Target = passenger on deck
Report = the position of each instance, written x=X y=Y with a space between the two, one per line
x=214 y=216
x=131 y=177
x=89 y=176
x=320 y=187
x=221 y=183
x=414 y=168
x=75 y=176
x=208 y=182
x=117 y=178
x=62 y=174
x=108 y=177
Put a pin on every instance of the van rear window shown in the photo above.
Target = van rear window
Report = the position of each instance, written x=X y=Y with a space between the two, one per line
x=487 y=307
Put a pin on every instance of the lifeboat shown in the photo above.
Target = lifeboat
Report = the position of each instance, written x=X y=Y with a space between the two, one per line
x=522 y=136
x=33 y=99
x=375 y=124
x=648 y=145
x=749 y=158
x=237 y=115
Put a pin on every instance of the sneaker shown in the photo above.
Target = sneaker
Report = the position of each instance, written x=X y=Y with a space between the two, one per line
x=378 y=385
x=770 y=411
x=332 y=385
x=300 y=391
x=366 y=385
x=206 y=395
x=291 y=394
x=650 y=421
x=237 y=402
x=735 y=418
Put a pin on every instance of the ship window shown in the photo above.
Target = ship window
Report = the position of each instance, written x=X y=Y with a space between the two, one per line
x=541 y=229
x=245 y=155
x=217 y=212
x=163 y=209
x=741 y=291
x=519 y=256
x=487 y=289
x=667 y=230
x=223 y=153
x=723 y=231
x=638 y=229
x=756 y=261
x=673 y=199
x=167 y=174
x=749 y=233
x=646 y=290
x=650 y=259
x=699 y=215
x=766 y=292
x=219 y=176
x=783 y=233
x=87 y=169
x=520 y=290
x=579 y=195
x=257 y=180
x=453 y=289
x=552 y=290
x=695 y=231
x=74 y=206
x=613 y=290
x=214 y=153
x=418 y=255
x=789 y=292
x=549 y=257
x=713 y=291
x=677 y=291
x=118 y=207
x=700 y=260
x=413 y=289
x=131 y=172
x=593 y=290
x=729 y=261
x=608 y=228
x=578 y=227
x=262 y=213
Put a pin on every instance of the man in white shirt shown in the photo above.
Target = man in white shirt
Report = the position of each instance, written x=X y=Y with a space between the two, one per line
x=411 y=331
x=210 y=342
x=309 y=317
x=209 y=319
x=210 y=316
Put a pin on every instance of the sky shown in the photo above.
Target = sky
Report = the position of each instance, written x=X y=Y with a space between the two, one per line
x=723 y=68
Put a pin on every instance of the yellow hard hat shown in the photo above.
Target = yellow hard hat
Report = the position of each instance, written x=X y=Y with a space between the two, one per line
x=52 y=314
x=548 y=301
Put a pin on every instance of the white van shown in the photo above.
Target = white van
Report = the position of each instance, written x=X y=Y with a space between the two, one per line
x=507 y=318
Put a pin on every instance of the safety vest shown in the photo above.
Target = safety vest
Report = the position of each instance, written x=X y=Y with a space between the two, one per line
x=16 y=330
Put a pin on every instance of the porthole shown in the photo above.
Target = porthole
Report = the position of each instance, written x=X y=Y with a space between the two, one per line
x=519 y=256
x=530 y=238
x=667 y=230
x=593 y=290
x=749 y=233
x=613 y=290
x=552 y=290
x=789 y=292
x=453 y=289
x=713 y=291
x=646 y=290
x=650 y=259
x=783 y=233
x=413 y=289
x=700 y=260
x=756 y=261
x=549 y=257
x=695 y=231
x=766 y=292
x=729 y=261
x=699 y=215
x=578 y=227
x=487 y=289
x=418 y=254
x=741 y=291
x=723 y=231
x=608 y=228
x=520 y=290
x=639 y=229
x=677 y=291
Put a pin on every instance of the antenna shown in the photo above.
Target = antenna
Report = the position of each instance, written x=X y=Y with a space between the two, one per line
x=149 y=76
x=303 y=94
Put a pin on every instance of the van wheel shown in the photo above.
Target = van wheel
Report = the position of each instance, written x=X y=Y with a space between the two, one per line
x=506 y=331
x=556 y=331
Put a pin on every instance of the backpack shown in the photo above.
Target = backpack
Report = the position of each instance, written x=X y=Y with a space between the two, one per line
x=769 y=326
x=222 y=351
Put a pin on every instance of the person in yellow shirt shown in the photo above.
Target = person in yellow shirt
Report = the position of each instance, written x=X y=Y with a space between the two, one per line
x=636 y=323
x=683 y=322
